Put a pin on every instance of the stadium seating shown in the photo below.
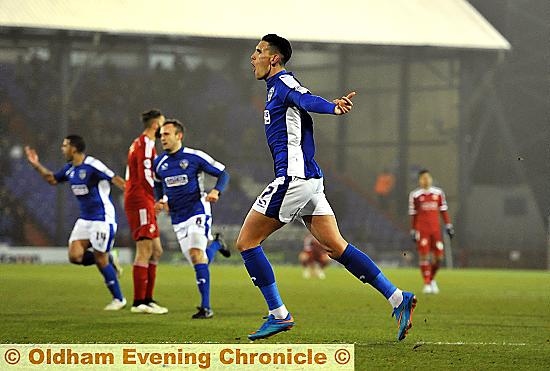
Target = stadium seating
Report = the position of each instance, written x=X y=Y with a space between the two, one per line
x=108 y=120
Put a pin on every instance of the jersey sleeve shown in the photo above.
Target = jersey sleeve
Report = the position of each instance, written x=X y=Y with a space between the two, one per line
x=101 y=170
x=145 y=159
x=61 y=175
x=291 y=92
x=443 y=202
x=156 y=178
x=209 y=165
x=412 y=205
x=443 y=208
x=158 y=186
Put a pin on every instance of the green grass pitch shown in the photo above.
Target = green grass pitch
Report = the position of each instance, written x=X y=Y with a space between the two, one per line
x=482 y=319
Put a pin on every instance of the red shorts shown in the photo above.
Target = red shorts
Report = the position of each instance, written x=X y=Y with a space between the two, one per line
x=143 y=222
x=315 y=255
x=429 y=241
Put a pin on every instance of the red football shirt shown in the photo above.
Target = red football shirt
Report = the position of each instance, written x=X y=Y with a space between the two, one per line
x=139 y=173
x=425 y=205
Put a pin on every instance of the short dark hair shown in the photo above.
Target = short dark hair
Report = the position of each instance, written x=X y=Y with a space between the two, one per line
x=180 y=128
x=279 y=44
x=148 y=116
x=77 y=142
x=422 y=172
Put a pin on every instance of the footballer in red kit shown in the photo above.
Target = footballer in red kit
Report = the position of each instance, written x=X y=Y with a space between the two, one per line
x=427 y=204
x=313 y=258
x=139 y=205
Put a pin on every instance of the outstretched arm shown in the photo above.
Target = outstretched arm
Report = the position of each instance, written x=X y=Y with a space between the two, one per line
x=32 y=157
x=317 y=104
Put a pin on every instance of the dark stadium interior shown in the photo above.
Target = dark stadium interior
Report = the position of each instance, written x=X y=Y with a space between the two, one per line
x=489 y=128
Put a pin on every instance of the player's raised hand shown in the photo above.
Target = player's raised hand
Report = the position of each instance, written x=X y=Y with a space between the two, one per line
x=344 y=104
x=213 y=196
x=32 y=156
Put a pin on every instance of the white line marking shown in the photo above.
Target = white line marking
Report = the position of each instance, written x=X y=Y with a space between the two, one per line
x=467 y=343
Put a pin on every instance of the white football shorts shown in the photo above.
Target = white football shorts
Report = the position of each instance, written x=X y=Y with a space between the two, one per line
x=100 y=234
x=194 y=233
x=287 y=198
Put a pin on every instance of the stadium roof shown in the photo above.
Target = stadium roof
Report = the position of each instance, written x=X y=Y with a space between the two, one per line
x=439 y=23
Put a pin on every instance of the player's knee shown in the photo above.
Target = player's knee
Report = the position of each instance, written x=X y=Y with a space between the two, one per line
x=335 y=250
x=197 y=256
x=157 y=253
x=142 y=257
x=75 y=259
x=242 y=244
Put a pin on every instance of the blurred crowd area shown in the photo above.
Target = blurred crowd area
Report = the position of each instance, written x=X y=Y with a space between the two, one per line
x=222 y=113
x=104 y=106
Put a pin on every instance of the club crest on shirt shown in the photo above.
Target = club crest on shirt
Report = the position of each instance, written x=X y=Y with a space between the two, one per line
x=82 y=174
x=270 y=93
x=184 y=164
x=434 y=197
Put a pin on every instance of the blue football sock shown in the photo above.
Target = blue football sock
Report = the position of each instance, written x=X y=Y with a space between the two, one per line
x=271 y=295
x=88 y=258
x=109 y=273
x=203 y=283
x=262 y=275
x=211 y=250
x=361 y=266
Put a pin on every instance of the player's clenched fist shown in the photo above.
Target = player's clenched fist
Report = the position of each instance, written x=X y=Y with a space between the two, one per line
x=213 y=196
x=161 y=206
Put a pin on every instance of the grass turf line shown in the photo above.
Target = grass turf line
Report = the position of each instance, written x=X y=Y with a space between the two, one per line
x=482 y=319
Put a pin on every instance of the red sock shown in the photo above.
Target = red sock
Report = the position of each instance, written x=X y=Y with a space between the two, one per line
x=151 y=280
x=426 y=270
x=435 y=268
x=140 y=282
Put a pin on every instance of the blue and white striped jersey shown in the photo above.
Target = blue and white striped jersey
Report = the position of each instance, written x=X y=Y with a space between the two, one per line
x=91 y=184
x=289 y=127
x=182 y=177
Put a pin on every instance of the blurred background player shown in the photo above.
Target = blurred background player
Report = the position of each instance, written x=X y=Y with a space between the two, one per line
x=313 y=258
x=383 y=188
x=139 y=205
x=426 y=203
x=96 y=226
x=298 y=191
x=180 y=173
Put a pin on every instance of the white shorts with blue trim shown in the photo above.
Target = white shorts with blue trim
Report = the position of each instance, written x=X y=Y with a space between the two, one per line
x=288 y=198
x=195 y=232
x=100 y=234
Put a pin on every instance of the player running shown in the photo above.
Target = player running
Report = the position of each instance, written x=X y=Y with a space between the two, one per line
x=425 y=205
x=96 y=226
x=180 y=174
x=298 y=191
x=139 y=205
x=313 y=258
